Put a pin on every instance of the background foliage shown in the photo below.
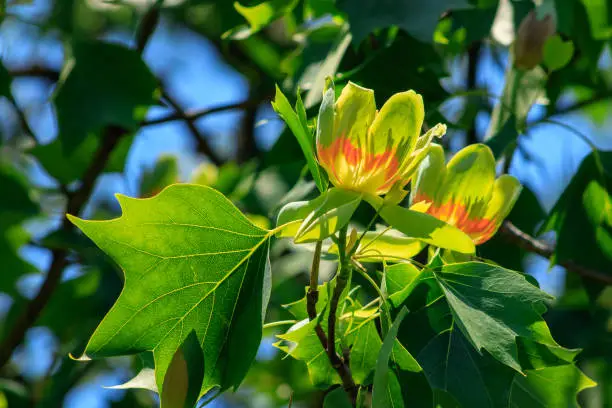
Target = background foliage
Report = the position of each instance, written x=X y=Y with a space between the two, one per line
x=131 y=96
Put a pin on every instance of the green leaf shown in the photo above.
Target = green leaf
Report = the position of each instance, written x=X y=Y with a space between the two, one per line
x=185 y=374
x=423 y=227
x=493 y=306
x=557 y=53
x=17 y=203
x=164 y=173
x=115 y=83
x=452 y=366
x=12 y=237
x=364 y=351
x=337 y=399
x=418 y=18
x=581 y=217
x=398 y=277
x=315 y=220
x=192 y=261
x=384 y=390
x=549 y=387
x=259 y=16
x=67 y=165
x=302 y=133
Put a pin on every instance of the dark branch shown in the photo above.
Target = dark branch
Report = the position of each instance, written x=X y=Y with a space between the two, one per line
x=530 y=244
x=36 y=71
x=202 y=145
x=312 y=297
x=197 y=114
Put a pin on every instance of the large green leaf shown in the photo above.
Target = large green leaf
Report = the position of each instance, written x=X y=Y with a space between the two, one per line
x=418 y=18
x=582 y=217
x=192 y=261
x=102 y=84
x=493 y=306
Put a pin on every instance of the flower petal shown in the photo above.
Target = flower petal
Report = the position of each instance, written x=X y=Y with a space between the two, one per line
x=355 y=111
x=398 y=124
x=506 y=191
x=429 y=177
x=468 y=184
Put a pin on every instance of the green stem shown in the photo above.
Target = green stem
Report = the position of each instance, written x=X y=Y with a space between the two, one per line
x=312 y=296
x=344 y=275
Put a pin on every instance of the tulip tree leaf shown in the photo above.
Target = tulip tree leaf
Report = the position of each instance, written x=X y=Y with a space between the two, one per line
x=418 y=18
x=493 y=306
x=185 y=374
x=582 y=215
x=192 y=262
x=113 y=96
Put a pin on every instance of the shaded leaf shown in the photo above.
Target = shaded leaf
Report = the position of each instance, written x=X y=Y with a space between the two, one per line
x=115 y=96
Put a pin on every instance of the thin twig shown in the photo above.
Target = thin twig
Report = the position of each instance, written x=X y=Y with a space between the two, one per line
x=530 y=244
x=202 y=145
x=471 y=80
x=196 y=114
x=36 y=71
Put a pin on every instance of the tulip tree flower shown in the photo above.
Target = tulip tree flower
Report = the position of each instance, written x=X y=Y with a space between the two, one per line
x=370 y=151
x=465 y=193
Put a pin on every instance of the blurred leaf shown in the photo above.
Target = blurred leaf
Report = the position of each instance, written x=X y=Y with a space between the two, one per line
x=185 y=374
x=505 y=137
x=418 y=18
x=145 y=379
x=164 y=173
x=206 y=270
x=259 y=16
x=115 y=83
x=67 y=165
x=582 y=215
x=17 y=203
x=600 y=18
x=12 y=237
x=557 y=53
x=302 y=133
x=385 y=392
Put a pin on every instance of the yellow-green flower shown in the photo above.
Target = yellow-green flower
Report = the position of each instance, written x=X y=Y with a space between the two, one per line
x=369 y=151
x=465 y=193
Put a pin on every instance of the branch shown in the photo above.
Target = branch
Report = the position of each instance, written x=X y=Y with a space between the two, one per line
x=36 y=71
x=197 y=114
x=200 y=139
x=530 y=244
x=472 y=71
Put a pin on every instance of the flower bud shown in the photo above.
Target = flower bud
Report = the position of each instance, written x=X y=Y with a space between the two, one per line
x=531 y=37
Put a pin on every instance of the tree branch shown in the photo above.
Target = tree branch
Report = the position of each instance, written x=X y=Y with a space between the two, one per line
x=196 y=114
x=202 y=145
x=530 y=244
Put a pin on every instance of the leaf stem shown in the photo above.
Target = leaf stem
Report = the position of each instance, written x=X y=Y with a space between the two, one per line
x=338 y=363
x=312 y=297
